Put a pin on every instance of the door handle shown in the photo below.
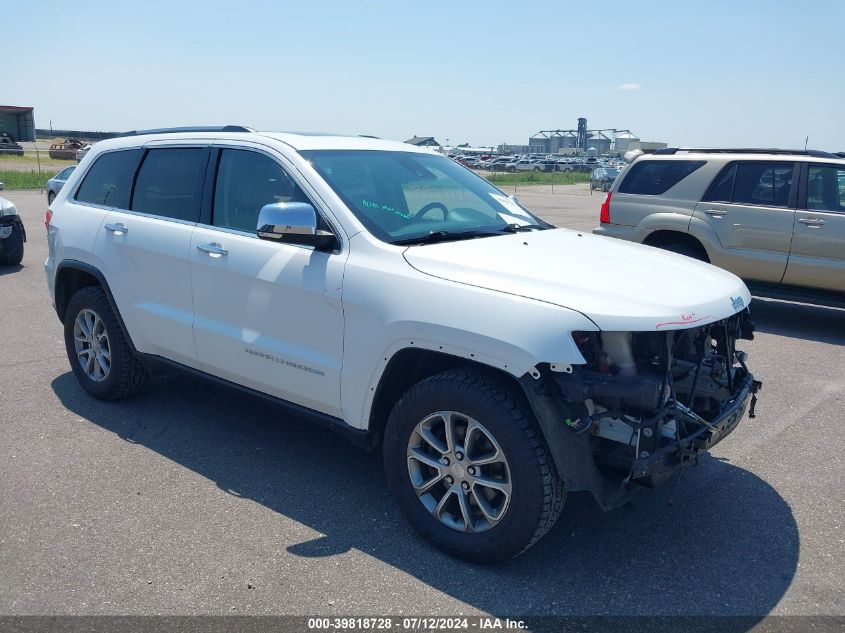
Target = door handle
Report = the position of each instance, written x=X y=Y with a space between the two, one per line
x=716 y=213
x=215 y=249
x=117 y=229
x=812 y=223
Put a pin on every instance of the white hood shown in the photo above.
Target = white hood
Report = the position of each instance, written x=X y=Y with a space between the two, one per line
x=620 y=286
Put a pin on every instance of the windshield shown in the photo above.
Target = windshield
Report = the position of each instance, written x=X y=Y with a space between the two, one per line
x=401 y=196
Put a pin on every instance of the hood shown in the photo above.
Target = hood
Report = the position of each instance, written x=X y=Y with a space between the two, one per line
x=620 y=286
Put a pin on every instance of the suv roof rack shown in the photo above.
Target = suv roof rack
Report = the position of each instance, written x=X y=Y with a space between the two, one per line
x=198 y=128
x=746 y=150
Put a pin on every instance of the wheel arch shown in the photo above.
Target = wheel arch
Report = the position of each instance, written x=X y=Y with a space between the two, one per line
x=663 y=237
x=71 y=276
x=571 y=453
x=410 y=365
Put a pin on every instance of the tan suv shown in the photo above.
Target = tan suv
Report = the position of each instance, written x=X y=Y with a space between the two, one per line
x=774 y=217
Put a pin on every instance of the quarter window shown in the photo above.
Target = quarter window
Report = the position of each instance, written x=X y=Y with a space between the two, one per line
x=167 y=182
x=108 y=181
x=722 y=188
x=246 y=181
x=826 y=188
x=655 y=177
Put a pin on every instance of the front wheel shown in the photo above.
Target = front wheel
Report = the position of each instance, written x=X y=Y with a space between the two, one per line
x=469 y=468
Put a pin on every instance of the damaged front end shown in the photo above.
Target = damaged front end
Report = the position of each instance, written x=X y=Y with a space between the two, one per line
x=644 y=404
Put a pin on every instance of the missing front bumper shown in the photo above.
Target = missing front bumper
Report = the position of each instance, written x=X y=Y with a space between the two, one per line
x=685 y=451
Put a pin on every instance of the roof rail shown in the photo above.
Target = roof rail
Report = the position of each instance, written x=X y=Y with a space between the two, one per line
x=746 y=150
x=199 y=128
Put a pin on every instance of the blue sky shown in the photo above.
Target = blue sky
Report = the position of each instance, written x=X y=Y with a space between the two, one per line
x=709 y=72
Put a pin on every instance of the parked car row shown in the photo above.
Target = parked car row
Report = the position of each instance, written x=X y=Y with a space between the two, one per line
x=535 y=162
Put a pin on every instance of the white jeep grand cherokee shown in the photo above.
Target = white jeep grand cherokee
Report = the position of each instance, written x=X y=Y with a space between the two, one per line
x=401 y=299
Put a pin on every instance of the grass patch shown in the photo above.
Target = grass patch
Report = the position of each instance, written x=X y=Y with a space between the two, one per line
x=24 y=179
x=538 y=178
x=31 y=160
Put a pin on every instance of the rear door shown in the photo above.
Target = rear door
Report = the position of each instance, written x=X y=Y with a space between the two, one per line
x=750 y=206
x=146 y=246
x=817 y=257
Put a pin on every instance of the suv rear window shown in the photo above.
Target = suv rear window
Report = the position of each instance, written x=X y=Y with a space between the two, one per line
x=655 y=177
x=109 y=179
x=167 y=181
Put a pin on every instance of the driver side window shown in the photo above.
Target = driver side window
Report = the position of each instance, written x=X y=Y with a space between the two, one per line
x=246 y=181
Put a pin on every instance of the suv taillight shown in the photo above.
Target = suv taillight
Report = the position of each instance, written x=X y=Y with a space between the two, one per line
x=47 y=218
x=604 y=216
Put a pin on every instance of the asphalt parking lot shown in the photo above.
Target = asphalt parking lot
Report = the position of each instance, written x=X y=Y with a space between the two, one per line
x=192 y=499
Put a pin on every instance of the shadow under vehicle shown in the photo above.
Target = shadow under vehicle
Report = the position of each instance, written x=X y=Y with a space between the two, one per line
x=688 y=549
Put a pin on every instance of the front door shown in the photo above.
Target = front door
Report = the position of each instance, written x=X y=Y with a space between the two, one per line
x=266 y=315
x=817 y=258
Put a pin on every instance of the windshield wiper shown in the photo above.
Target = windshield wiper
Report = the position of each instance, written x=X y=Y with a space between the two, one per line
x=515 y=228
x=441 y=236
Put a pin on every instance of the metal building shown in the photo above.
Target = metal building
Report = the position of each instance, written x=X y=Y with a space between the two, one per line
x=18 y=122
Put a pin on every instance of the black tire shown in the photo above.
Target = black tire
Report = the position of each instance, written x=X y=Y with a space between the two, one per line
x=538 y=493
x=50 y=197
x=686 y=249
x=11 y=249
x=126 y=375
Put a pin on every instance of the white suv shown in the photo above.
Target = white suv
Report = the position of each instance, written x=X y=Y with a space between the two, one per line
x=399 y=298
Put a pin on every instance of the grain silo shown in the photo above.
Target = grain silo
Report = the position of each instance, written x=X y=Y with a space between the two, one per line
x=623 y=140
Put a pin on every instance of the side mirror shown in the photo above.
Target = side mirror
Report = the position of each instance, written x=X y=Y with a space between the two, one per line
x=292 y=223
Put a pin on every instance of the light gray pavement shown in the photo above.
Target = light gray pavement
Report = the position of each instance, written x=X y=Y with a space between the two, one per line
x=193 y=499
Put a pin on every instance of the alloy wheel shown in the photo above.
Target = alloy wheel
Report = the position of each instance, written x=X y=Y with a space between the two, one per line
x=459 y=472
x=91 y=343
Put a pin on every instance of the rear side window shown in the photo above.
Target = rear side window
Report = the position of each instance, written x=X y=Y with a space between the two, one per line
x=655 y=177
x=110 y=178
x=765 y=184
x=167 y=183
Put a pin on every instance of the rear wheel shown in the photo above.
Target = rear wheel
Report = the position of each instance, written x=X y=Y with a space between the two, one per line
x=50 y=197
x=469 y=468
x=99 y=354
